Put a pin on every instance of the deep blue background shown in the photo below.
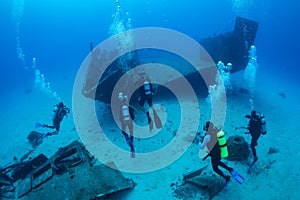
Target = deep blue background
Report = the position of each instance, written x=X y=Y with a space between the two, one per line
x=58 y=32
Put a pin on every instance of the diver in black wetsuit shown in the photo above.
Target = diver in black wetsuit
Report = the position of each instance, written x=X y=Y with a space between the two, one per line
x=60 y=111
x=210 y=141
x=146 y=94
x=254 y=127
x=146 y=90
x=58 y=114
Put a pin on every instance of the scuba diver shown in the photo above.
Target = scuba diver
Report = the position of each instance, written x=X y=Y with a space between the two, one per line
x=146 y=94
x=126 y=117
x=59 y=113
x=211 y=142
x=146 y=91
x=256 y=127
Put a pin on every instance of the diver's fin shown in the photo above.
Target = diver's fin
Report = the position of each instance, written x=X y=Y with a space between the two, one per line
x=38 y=125
x=36 y=138
x=157 y=120
x=251 y=166
x=237 y=177
x=40 y=140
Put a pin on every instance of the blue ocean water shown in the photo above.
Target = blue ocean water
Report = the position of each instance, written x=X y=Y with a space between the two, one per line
x=46 y=41
x=58 y=33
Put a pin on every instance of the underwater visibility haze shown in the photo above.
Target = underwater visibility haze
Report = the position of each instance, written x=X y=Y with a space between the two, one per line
x=45 y=45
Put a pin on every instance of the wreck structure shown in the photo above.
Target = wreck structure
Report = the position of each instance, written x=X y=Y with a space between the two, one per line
x=230 y=47
x=233 y=47
x=71 y=173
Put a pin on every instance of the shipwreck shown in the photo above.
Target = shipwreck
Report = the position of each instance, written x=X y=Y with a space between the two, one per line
x=231 y=47
x=71 y=173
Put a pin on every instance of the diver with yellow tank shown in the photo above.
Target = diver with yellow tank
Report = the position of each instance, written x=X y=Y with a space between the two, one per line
x=215 y=143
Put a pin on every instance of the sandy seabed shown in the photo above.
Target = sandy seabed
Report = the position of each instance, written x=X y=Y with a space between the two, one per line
x=275 y=176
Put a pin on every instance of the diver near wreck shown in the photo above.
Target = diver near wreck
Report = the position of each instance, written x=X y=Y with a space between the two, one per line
x=126 y=117
x=256 y=127
x=59 y=113
x=146 y=91
x=213 y=146
x=146 y=94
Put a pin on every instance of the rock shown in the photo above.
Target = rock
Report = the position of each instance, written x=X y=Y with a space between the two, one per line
x=186 y=192
x=199 y=185
x=273 y=150
x=43 y=178
x=209 y=184
x=238 y=149
x=194 y=173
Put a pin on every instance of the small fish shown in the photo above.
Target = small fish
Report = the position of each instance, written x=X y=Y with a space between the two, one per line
x=283 y=95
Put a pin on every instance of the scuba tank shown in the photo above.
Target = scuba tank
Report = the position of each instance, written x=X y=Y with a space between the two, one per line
x=60 y=110
x=57 y=114
x=54 y=113
x=263 y=125
x=125 y=113
x=147 y=88
x=222 y=144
